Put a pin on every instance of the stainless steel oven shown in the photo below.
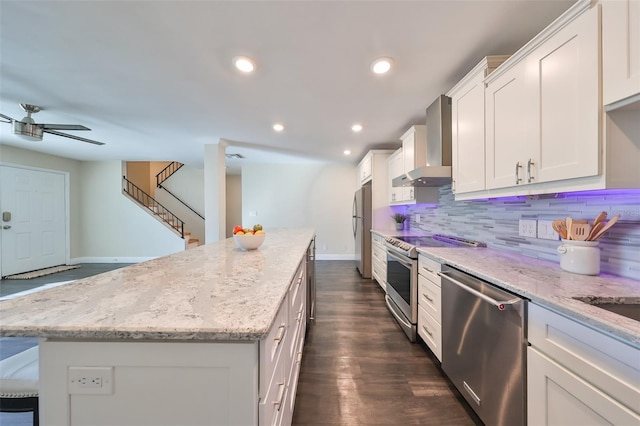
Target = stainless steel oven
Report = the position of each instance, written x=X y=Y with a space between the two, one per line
x=402 y=291
x=402 y=275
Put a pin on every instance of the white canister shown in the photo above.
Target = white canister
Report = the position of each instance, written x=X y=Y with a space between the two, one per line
x=580 y=257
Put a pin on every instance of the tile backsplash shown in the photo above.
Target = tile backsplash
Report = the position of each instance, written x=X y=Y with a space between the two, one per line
x=495 y=222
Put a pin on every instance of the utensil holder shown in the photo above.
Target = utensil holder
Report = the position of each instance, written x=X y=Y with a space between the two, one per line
x=580 y=257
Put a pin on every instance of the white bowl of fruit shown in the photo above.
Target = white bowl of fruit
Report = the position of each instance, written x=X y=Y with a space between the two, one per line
x=248 y=238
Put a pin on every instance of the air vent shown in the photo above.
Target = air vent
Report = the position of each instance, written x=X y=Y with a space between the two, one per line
x=236 y=156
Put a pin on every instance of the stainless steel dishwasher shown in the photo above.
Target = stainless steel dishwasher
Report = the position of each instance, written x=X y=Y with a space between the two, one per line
x=484 y=346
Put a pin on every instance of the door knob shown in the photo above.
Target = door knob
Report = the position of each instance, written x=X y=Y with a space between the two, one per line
x=6 y=227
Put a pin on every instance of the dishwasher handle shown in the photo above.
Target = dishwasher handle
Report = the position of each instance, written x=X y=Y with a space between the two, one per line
x=500 y=304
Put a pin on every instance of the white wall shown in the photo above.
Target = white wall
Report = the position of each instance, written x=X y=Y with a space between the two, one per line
x=114 y=227
x=23 y=157
x=234 y=202
x=296 y=195
x=187 y=184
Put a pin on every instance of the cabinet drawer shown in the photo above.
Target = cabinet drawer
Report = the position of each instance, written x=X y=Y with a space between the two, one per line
x=430 y=331
x=429 y=298
x=429 y=269
x=271 y=347
x=296 y=295
x=271 y=406
x=603 y=361
x=379 y=254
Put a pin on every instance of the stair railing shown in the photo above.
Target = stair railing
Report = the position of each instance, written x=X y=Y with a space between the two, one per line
x=183 y=203
x=166 y=173
x=150 y=203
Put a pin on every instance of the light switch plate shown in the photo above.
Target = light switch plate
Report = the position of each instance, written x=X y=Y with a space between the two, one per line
x=546 y=232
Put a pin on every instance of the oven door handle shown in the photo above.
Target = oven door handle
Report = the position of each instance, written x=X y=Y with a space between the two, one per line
x=404 y=261
x=500 y=304
x=395 y=314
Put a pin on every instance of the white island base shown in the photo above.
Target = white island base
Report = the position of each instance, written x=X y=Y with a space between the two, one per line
x=153 y=383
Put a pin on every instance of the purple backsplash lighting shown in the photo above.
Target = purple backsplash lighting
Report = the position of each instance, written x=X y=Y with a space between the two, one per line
x=495 y=222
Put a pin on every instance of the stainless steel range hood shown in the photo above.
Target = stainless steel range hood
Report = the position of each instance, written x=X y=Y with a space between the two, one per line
x=437 y=171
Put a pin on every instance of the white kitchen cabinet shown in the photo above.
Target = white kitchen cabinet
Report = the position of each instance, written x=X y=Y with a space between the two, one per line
x=396 y=168
x=620 y=51
x=542 y=108
x=579 y=375
x=377 y=161
x=379 y=260
x=468 y=128
x=429 y=304
x=414 y=148
x=365 y=169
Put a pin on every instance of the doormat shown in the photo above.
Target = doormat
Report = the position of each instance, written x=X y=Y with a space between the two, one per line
x=41 y=272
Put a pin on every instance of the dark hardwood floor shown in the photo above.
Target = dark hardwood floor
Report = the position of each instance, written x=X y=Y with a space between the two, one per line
x=359 y=368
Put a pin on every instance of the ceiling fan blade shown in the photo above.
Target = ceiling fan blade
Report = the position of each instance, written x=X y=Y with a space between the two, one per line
x=63 y=127
x=78 y=138
x=6 y=117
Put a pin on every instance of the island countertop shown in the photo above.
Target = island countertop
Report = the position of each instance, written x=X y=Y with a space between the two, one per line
x=214 y=292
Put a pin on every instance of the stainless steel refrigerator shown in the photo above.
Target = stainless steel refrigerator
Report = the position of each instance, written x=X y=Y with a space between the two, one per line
x=362 y=229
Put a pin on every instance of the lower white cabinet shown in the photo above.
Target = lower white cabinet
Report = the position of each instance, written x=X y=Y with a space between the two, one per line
x=379 y=260
x=578 y=375
x=429 y=304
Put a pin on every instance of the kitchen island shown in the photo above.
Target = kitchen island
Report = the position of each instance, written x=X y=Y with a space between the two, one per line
x=212 y=335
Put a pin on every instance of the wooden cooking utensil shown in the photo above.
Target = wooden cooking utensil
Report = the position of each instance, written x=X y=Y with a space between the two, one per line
x=580 y=230
x=596 y=228
x=569 y=223
x=600 y=218
x=606 y=227
x=560 y=226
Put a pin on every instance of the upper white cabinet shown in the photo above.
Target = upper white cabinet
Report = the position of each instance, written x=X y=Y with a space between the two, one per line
x=396 y=168
x=468 y=128
x=407 y=194
x=414 y=147
x=620 y=51
x=365 y=168
x=542 y=106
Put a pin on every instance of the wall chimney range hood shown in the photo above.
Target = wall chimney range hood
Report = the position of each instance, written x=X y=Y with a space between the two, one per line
x=437 y=171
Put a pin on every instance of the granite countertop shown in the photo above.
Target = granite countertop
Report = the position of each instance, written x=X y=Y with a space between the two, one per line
x=214 y=292
x=545 y=283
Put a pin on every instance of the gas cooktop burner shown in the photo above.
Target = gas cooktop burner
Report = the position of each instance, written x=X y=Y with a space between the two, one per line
x=407 y=244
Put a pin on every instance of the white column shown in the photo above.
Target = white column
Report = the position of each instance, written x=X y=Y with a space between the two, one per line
x=214 y=192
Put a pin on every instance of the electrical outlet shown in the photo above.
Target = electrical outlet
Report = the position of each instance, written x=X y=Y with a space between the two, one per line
x=527 y=228
x=545 y=230
x=90 y=380
x=417 y=218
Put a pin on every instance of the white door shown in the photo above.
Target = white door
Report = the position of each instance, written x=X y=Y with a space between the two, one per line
x=33 y=219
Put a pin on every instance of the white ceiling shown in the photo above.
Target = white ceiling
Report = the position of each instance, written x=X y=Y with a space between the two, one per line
x=154 y=79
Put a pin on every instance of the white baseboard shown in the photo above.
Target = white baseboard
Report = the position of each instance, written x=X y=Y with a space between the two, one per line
x=78 y=260
x=327 y=256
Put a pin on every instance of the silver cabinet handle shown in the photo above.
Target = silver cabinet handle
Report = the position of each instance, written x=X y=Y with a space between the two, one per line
x=6 y=227
x=280 y=334
x=518 y=167
x=278 y=403
x=529 y=164
x=426 y=330
x=426 y=296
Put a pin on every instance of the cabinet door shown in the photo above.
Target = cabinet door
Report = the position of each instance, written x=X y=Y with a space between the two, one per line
x=620 y=49
x=556 y=396
x=509 y=118
x=567 y=103
x=395 y=169
x=467 y=134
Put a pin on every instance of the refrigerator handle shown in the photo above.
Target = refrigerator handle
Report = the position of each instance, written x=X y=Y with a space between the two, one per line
x=354 y=220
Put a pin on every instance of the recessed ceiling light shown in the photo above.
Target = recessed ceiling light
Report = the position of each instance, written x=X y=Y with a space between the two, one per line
x=381 y=65
x=347 y=152
x=244 y=63
x=356 y=127
x=278 y=127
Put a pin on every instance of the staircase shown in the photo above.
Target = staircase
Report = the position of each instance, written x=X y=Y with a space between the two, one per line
x=160 y=212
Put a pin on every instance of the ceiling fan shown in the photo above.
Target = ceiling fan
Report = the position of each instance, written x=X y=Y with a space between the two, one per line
x=29 y=129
